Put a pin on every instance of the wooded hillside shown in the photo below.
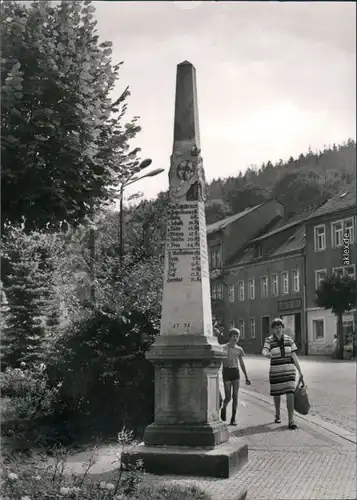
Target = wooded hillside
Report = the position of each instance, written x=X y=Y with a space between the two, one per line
x=299 y=183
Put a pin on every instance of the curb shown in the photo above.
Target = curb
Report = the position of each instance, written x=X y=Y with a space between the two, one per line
x=318 y=422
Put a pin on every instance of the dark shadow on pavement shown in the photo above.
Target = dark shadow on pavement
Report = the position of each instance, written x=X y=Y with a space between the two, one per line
x=258 y=429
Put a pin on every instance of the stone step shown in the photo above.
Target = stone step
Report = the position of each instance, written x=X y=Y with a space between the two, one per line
x=222 y=461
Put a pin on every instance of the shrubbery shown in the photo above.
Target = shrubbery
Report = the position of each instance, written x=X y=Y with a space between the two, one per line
x=106 y=381
x=97 y=381
x=27 y=399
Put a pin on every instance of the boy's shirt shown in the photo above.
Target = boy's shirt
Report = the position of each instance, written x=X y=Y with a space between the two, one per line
x=234 y=353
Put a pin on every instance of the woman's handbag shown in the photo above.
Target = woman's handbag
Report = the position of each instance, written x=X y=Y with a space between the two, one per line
x=301 y=398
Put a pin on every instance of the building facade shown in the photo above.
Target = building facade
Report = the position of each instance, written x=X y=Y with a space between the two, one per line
x=227 y=237
x=330 y=248
x=267 y=280
x=263 y=266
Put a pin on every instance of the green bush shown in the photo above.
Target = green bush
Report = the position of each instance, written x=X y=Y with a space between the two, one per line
x=28 y=392
x=27 y=398
x=97 y=381
x=106 y=381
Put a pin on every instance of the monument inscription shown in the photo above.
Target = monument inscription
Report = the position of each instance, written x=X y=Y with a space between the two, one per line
x=186 y=270
x=183 y=244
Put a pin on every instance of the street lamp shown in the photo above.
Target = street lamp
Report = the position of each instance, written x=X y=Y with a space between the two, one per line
x=142 y=165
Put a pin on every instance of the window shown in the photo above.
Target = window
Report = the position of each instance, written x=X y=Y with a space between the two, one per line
x=216 y=257
x=252 y=328
x=320 y=238
x=341 y=229
x=318 y=329
x=275 y=285
x=319 y=276
x=217 y=291
x=241 y=326
x=251 y=288
x=258 y=251
x=213 y=259
x=336 y=234
x=296 y=280
x=348 y=229
x=344 y=271
x=231 y=293
x=285 y=282
x=350 y=271
x=338 y=271
x=241 y=290
x=264 y=285
x=231 y=324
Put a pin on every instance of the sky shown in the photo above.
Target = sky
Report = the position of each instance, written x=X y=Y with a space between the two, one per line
x=273 y=78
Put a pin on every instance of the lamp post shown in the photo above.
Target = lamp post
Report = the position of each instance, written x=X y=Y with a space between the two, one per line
x=143 y=164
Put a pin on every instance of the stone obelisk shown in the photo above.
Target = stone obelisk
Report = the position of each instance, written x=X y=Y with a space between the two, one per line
x=186 y=355
x=187 y=435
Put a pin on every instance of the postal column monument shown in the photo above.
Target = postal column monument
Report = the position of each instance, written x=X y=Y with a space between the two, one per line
x=187 y=435
x=186 y=355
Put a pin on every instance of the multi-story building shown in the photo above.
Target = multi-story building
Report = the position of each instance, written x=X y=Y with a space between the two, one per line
x=266 y=280
x=226 y=237
x=262 y=266
x=330 y=248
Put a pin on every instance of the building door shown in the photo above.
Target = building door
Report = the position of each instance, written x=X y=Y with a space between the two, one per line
x=265 y=328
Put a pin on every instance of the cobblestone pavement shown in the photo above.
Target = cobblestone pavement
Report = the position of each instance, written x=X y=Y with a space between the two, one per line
x=331 y=387
x=310 y=463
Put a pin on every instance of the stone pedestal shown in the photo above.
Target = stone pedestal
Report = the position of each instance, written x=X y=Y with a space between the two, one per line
x=186 y=392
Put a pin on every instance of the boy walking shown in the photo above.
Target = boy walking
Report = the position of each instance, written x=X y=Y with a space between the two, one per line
x=231 y=374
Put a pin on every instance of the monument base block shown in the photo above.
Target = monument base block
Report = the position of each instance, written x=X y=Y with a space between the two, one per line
x=205 y=435
x=223 y=461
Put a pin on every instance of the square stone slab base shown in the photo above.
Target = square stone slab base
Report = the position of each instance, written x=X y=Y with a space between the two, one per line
x=222 y=461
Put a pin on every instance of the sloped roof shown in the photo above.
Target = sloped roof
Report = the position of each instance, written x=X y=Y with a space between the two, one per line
x=294 y=243
x=280 y=227
x=221 y=224
x=345 y=199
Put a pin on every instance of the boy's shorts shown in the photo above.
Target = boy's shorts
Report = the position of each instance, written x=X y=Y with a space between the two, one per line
x=230 y=374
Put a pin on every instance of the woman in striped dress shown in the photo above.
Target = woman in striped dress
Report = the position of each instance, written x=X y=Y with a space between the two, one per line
x=281 y=350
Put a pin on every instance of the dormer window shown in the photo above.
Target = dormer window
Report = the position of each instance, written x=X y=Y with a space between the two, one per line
x=258 y=250
x=216 y=257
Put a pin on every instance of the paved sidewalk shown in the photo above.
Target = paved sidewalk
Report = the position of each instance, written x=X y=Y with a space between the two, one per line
x=309 y=463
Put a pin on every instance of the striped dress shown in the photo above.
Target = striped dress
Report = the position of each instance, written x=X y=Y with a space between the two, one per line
x=282 y=369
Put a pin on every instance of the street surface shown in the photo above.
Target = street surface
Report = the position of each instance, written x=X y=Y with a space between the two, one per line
x=331 y=387
x=309 y=463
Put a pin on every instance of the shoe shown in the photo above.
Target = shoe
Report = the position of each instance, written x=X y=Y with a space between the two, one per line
x=292 y=425
x=223 y=414
x=233 y=422
x=277 y=420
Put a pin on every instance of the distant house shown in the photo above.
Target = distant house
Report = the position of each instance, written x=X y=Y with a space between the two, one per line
x=226 y=237
x=330 y=248
x=266 y=280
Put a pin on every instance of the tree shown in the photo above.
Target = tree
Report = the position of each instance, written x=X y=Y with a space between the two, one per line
x=65 y=145
x=26 y=291
x=337 y=293
x=249 y=195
